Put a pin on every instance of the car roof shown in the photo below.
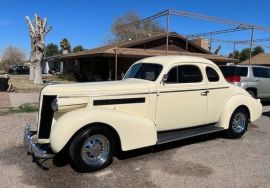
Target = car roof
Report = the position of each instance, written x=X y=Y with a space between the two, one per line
x=172 y=59
x=245 y=66
x=253 y=66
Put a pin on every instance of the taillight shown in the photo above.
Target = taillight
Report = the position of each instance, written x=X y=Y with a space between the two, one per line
x=233 y=78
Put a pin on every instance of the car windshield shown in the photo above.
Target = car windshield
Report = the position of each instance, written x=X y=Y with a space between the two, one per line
x=145 y=71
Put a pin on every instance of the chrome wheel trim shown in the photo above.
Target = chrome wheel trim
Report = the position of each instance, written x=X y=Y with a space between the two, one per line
x=239 y=122
x=95 y=150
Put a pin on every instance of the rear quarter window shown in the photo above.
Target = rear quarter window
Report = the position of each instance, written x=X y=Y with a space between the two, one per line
x=212 y=75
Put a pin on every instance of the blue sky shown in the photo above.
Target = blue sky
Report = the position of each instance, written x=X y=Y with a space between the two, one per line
x=88 y=22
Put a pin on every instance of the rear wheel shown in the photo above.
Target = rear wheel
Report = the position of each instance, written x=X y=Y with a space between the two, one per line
x=92 y=149
x=238 y=123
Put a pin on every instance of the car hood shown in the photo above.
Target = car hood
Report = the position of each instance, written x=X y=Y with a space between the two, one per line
x=98 y=88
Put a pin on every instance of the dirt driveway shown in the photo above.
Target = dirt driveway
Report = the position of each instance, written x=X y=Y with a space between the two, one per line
x=209 y=161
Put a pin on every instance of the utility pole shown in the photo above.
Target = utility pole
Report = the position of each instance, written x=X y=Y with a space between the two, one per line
x=210 y=47
x=116 y=64
x=167 y=32
x=234 y=52
x=251 y=45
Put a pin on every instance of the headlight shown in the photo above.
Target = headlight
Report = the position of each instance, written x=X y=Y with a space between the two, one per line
x=54 y=105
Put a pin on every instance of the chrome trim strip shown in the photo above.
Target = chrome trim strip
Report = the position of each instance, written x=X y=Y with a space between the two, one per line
x=123 y=94
x=74 y=104
x=203 y=89
x=106 y=95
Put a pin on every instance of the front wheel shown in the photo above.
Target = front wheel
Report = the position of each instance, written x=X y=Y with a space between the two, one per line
x=92 y=149
x=238 y=123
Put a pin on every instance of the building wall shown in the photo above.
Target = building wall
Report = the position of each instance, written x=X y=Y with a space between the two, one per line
x=98 y=68
x=204 y=43
x=71 y=66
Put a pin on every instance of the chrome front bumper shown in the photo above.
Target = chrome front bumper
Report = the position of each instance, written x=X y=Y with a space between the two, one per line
x=34 y=149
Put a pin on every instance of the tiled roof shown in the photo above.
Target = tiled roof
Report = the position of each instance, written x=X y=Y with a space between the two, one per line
x=142 y=53
x=124 y=49
x=260 y=59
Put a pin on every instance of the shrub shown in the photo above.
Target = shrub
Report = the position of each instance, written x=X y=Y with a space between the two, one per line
x=65 y=76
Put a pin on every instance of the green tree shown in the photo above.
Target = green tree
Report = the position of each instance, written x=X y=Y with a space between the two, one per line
x=257 y=50
x=65 y=45
x=244 y=54
x=78 y=48
x=138 y=31
x=51 y=50
x=235 y=54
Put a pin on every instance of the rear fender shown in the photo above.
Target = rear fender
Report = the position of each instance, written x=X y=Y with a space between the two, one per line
x=253 y=105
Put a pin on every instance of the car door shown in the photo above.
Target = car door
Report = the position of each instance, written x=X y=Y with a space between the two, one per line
x=263 y=79
x=217 y=94
x=182 y=101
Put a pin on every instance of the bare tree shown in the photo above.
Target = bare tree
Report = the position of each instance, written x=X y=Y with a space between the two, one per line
x=12 y=56
x=138 y=31
x=38 y=30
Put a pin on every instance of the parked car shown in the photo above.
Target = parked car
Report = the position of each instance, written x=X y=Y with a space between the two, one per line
x=19 y=69
x=255 y=79
x=160 y=100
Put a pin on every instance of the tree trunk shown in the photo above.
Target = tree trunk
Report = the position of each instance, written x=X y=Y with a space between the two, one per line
x=38 y=74
x=32 y=72
x=38 y=30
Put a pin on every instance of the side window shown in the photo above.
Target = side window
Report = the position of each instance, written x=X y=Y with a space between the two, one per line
x=259 y=72
x=268 y=72
x=184 y=74
x=172 y=76
x=212 y=75
x=189 y=74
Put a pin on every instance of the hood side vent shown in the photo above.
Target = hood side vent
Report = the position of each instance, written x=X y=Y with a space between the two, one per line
x=46 y=117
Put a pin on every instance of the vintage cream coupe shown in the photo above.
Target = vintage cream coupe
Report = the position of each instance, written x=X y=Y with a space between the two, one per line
x=160 y=100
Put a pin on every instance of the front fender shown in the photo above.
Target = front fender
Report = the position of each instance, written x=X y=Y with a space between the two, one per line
x=254 y=106
x=134 y=132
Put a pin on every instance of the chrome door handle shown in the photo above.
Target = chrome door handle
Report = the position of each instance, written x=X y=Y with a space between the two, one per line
x=204 y=93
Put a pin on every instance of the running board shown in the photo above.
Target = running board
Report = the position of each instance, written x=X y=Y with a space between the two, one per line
x=165 y=137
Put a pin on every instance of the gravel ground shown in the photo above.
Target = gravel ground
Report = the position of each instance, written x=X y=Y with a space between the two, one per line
x=4 y=100
x=209 y=161
x=23 y=98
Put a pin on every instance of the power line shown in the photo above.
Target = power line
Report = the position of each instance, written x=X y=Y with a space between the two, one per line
x=216 y=19
x=193 y=15
x=240 y=28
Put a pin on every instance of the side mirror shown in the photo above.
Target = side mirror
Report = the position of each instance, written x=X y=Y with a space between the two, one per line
x=164 y=78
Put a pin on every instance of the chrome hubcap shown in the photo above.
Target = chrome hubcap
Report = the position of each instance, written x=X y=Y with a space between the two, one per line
x=239 y=122
x=95 y=150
